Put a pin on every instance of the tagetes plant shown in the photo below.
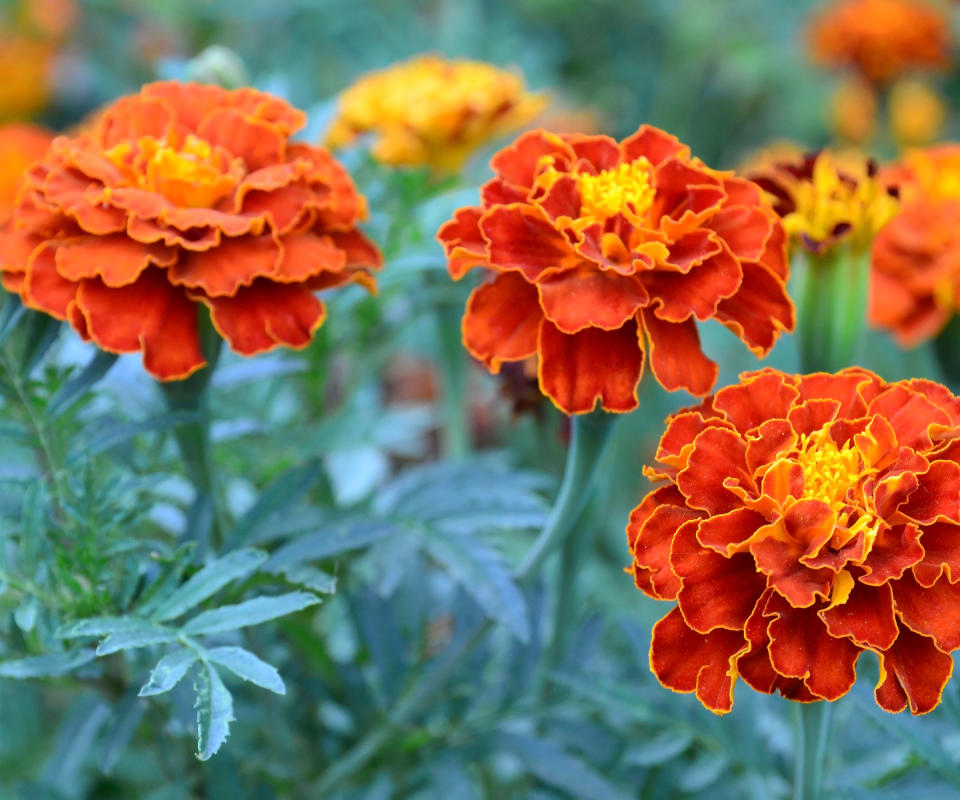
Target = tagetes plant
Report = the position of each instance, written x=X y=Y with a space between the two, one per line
x=185 y=196
x=20 y=145
x=800 y=521
x=881 y=39
x=433 y=111
x=826 y=199
x=597 y=252
x=915 y=279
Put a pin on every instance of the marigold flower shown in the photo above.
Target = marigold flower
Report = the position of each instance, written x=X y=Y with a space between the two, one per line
x=915 y=277
x=800 y=521
x=20 y=145
x=917 y=113
x=825 y=199
x=881 y=38
x=592 y=248
x=26 y=64
x=433 y=111
x=179 y=196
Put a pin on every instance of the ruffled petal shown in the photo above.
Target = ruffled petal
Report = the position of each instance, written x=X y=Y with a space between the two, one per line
x=502 y=321
x=912 y=671
x=676 y=358
x=117 y=260
x=717 y=460
x=223 y=270
x=589 y=298
x=933 y=611
x=522 y=238
x=760 y=309
x=866 y=617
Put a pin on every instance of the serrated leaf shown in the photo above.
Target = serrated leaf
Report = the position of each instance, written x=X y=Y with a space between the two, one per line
x=281 y=493
x=335 y=540
x=208 y=581
x=214 y=706
x=560 y=769
x=246 y=665
x=169 y=671
x=141 y=635
x=46 y=666
x=79 y=384
x=98 y=626
x=480 y=571
x=310 y=577
x=250 y=612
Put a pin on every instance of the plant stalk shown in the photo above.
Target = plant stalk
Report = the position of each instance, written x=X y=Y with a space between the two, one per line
x=456 y=418
x=811 y=733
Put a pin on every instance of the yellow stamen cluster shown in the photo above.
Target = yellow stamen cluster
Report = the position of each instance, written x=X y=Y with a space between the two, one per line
x=433 y=111
x=840 y=196
x=626 y=189
x=192 y=175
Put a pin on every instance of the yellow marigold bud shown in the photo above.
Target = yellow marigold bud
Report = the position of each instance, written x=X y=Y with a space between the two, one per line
x=433 y=111
x=917 y=113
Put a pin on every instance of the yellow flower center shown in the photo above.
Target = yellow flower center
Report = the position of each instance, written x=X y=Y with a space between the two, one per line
x=626 y=189
x=194 y=175
x=828 y=471
x=834 y=198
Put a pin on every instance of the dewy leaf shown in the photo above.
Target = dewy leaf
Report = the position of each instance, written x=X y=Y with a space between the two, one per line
x=168 y=671
x=251 y=612
x=483 y=575
x=214 y=712
x=80 y=383
x=46 y=666
x=281 y=493
x=141 y=635
x=246 y=665
x=208 y=581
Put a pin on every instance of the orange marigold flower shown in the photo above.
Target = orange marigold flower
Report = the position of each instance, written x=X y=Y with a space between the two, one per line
x=592 y=248
x=826 y=198
x=26 y=64
x=881 y=38
x=433 y=111
x=915 y=278
x=801 y=520
x=179 y=196
x=20 y=145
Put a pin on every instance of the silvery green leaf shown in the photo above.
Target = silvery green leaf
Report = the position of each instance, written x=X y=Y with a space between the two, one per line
x=246 y=665
x=168 y=671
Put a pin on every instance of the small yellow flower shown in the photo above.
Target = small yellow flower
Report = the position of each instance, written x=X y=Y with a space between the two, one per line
x=917 y=113
x=433 y=111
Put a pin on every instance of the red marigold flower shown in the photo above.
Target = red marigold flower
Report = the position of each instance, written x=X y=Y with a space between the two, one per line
x=20 y=145
x=800 y=520
x=184 y=195
x=881 y=38
x=915 y=278
x=592 y=248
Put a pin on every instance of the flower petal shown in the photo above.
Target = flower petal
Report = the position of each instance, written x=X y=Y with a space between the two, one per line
x=867 y=617
x=44 y=288
x=760 y=309
x=502 y=320
x=116 y=259
x=912 y=671
x=221 y=271
x=522 y=238
x=933 y=611
x=718 y=457
x=586 y=297
x=675 y=355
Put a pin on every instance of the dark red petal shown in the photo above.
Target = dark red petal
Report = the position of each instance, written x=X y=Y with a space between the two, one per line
x=913 y=671
x=675 y=356
x=502 y=320
x=867 y=617
x=587 y=297
x=718 y=456
x=524 y=239
x=930 y=610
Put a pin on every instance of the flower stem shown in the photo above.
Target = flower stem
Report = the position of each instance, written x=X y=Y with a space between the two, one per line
x=811 y=732
x=589 y=436
x=192 y=394
x=456 y=422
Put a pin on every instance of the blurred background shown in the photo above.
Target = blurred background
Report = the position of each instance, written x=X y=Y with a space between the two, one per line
x=365 y=403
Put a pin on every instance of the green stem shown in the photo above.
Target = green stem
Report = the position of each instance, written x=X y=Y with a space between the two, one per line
x=946 y=346
x=456 y=421
x=811 y=732
x=193 y=439
x=589 y=435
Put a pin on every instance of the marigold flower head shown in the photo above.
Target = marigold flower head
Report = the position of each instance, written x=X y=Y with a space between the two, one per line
x=180 y=196
x=433 y=111
x=594 y=248
x=20 y=145
x=915 y=277
x=882 y=39
x=801 y=520
x=825 y=199
x=917 y=113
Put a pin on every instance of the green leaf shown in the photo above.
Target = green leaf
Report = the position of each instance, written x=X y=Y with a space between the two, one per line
x=99 y=438
x=480 y=571
x=11 y=313
x=350 y=535
x=280 y=494
x=79 y=384
x=32 y=519
x=98 y=626
x=208 y=581
x=168 y=581
x=705 y=770
x=251 y=612
x=246 y=665
x=560 y=769
x=661 y=748
x=214 y=712
x=168 y=671
x=46 y=666
x=310 y=577
x=41 y=332
x=141 y=635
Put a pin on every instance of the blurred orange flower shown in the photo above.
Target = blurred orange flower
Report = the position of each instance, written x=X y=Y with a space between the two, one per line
x=25 y=73
x=185 y=195
x=433 y=111
x=20 y=145
x=853 y=111
x=592 y=248
x=826 y=198
x=915 y=279
x=802 y=520
x=917 y=113
x=881 y=38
